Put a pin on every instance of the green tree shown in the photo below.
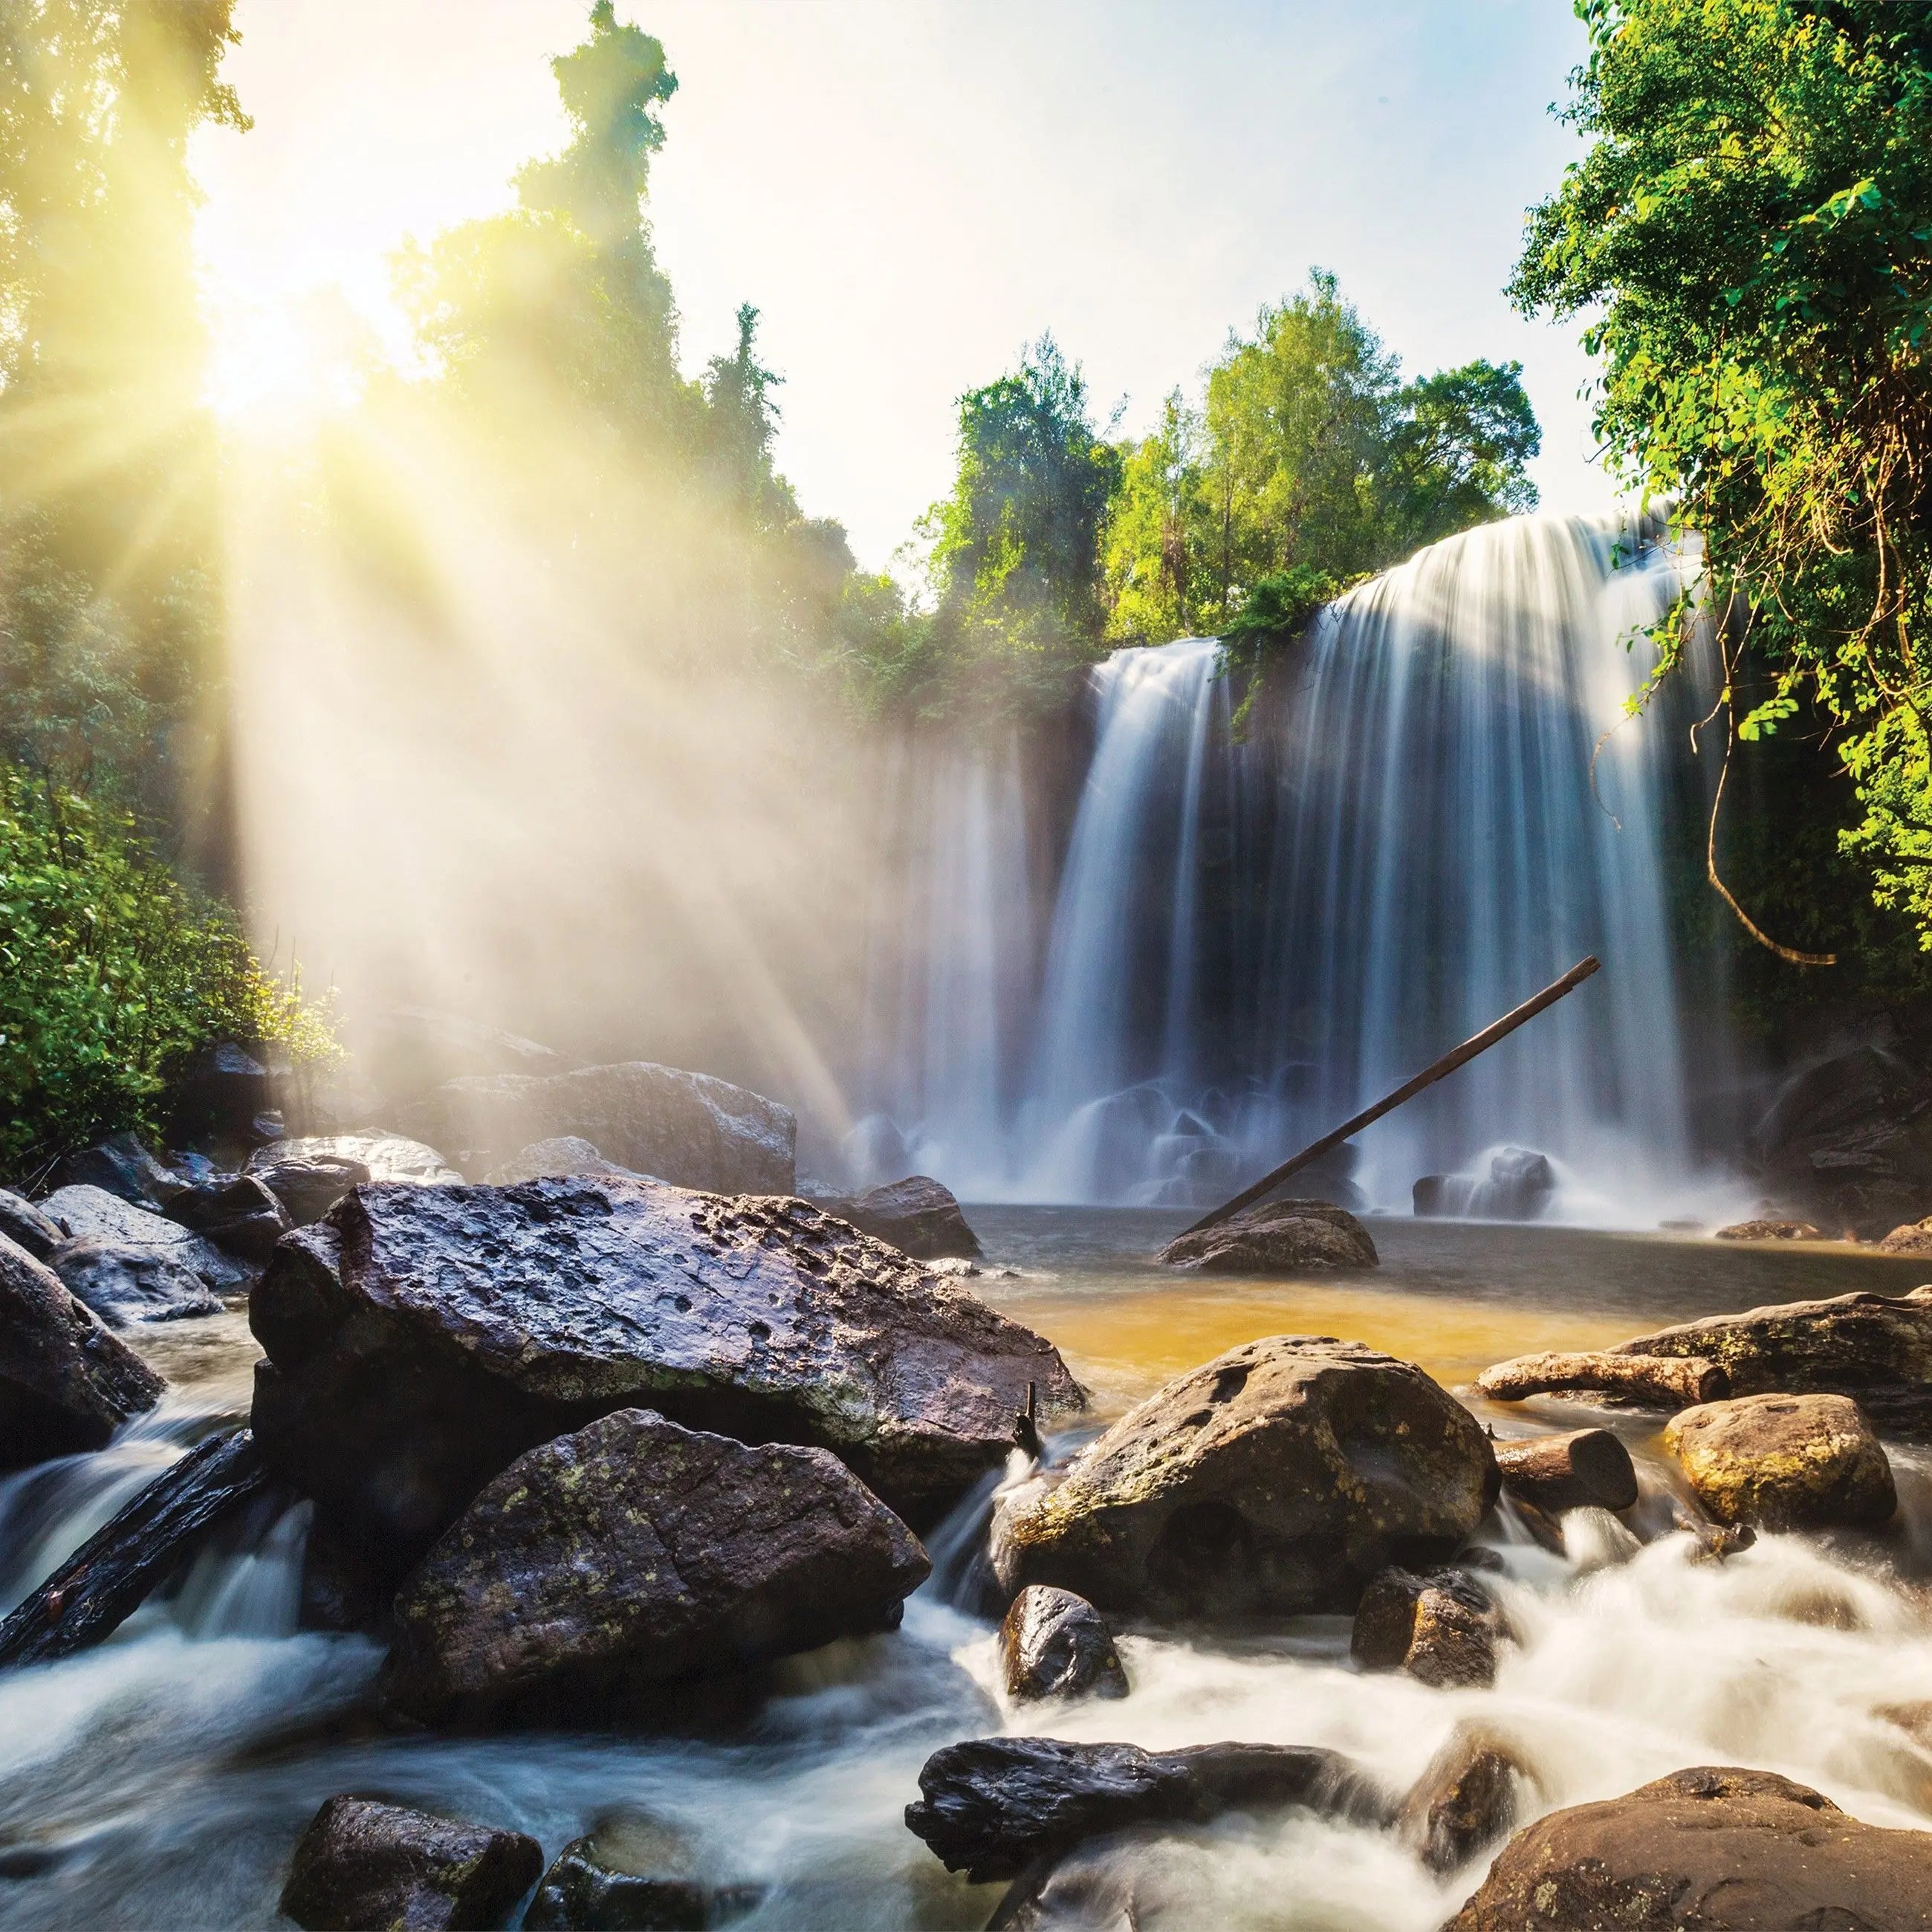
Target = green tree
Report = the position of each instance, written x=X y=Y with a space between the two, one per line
x=1460 y=453
x=1158 y=526
x=742 y=422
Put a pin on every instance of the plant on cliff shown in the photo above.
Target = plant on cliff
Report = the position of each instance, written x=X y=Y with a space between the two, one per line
x=1752 y=226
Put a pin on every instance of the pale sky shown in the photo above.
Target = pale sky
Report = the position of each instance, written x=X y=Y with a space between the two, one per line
x=909 y=190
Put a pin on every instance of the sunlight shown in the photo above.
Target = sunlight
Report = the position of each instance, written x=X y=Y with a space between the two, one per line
x=288 y=361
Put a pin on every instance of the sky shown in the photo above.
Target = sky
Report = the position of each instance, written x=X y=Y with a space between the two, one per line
x=911 y=190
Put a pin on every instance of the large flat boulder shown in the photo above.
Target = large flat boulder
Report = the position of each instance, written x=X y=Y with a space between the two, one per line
x=126 y=1285
x=606 y=1564
x=88 y=1213
x=1785 y=1462
x=1278 y=1479
x=688 y=1128
x=1277 y=1237
x=1721 y=1849
x=420 y=1339
x=66 y=1383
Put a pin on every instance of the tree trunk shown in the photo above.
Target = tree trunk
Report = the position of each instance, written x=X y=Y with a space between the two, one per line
x=1588 y=1469
x=1656 y=1382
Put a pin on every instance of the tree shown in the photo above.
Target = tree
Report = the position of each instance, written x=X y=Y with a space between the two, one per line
x=1753 y=221
x=1460 y=454
x=742 y=422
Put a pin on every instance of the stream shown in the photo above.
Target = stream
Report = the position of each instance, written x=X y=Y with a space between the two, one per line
x=161 y=1779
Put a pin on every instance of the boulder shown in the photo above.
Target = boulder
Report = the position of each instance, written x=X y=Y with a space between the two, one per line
x=1839 y=1347
x=24 y=1224
x=605 y=1564
x=917 y=1215
x=584 y=1891
x=1106 y=1887
x=309 y=1186
x=122 y=1166
x=386 y=1156
x=1277 y=1479
x=1518 y=1184
x=1440 y=1627
x=1915 y=1237
x=366 y=1866
x=1277 y=1237
x=93 y=1214
x=1784 y=1461
x=1054 y=1644
x=240 y=1215
x=1586 y=1469
x=420 y=1339
x=559 y=1159
x=991 y=1807
x=66 y=1383
x=413 y=1049
x=689 y=1129
x=1723 y=1850
x=124 y=1285
x=1768 y=1231
x=224 y=1093
x=1465 y=1801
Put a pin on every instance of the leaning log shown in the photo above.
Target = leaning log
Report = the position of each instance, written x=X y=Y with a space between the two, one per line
x=98 y=1588
x=1588 y=1469
x=1656 y=1382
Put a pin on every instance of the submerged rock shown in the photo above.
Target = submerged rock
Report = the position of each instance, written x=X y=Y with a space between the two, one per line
x=1277 y=1237
x=240 y=1215
x=420 y=1339
x=1277 y=1479
x=993 y=1807
x=1465 y=1800
x=124 y=1285
x=1519 y=1185
x=366 y=1866
x=66 y=1383
x=1054 y=1644
x=1727 y=1849
x=1441 y=1628
x=582 y=1893
x=559 y=1159
x=308 y=1186
x=93 y=1214
x=24 y=1224
x=1785 y=1462
x=917 y=1215
x=687 y=1128
x=386 y=1157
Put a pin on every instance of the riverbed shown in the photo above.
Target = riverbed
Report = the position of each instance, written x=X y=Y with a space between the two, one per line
x=161 y=1780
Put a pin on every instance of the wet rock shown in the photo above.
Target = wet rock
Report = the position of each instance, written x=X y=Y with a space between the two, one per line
x=223 y=1092
x=1277 y=1237
x=1726 y=1849
x=124 y=1285
x=1092 y=1889
x=1784 y=1461
x=1465 y=1801
x=66 y=1383
x=1429 y=1197
x=559 y=1158
x=991 y=1807
x=307 y=1187
x=581 y=1893
x=102 y=1585
x=634 y=1553
x=1440 y=1627
x=242 y=1217
x=917 y=1215
x=123 y=1166
x=1915 y=1237
x=1768 y=1231
x=1277 y=1479
x=420 y=1339
x=1587 y=1469
x=414 y=1048
x=92 y=1214
x=687 y=1128
x=366 y=1866
x=1849 y=1141
x=1054 y=1644
x=387 y=1157
x=1518 y=1185
x=24 y=1224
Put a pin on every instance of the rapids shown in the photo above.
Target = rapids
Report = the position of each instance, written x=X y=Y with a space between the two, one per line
x=161 y=1780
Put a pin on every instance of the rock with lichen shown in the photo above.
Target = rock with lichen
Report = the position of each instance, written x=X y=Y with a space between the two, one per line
x=1784 y=1461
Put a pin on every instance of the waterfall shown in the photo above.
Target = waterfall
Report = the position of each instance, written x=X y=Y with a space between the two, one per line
x=1440 y=804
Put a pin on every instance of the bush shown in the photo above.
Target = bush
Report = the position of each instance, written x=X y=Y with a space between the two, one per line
x=113 y=975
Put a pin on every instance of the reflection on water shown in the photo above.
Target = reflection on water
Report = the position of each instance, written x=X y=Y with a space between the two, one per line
x=161 y=1780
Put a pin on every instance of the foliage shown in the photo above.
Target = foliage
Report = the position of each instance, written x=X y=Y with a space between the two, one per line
x=1753 y=221
x=1276 y=611
x=111 y=975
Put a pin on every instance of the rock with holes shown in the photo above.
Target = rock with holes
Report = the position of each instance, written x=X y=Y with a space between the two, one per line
x=1054 y=1644
x=1721 y=1849
x=1277 y=1237
x=1785 y=1462
x=420 y=1339
x=1440 y=1627
x=1278 y=1479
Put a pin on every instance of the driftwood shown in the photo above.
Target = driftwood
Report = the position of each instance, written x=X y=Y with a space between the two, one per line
x=1588 y=1469
x=98 y=1588
x=1457 y=1056
x=1656 y=1382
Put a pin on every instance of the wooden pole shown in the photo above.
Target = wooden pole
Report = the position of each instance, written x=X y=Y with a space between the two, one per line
x=1456 y=1057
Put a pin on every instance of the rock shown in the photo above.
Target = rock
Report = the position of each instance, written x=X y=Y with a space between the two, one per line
x=581 y=1893
x=1517 y=1186
x=1784 y=1461
x=560 y=1158
x=223 y=1092
x=1440 y=1627
x=1839 y=1347
x=93 y=1214
x=124 y=1285
x=242 y=1217
x=66 y=1383
x=1054 y=1644
x=686 y=1128
x=386 y=1156
x=122 y=1166
x=309 y=1186
x=1465 y=1801
x=1429 y=1197
x=414 y=1049
x=1277 y=1237
x=916 y=1216
x=991 y=1807
x=1094 y=1889
x=24 y=1224
x=1849 y=1141
x=420 y=1339
x=1588 y=1468
x=1767 y=1230
x=366 y=1866
x=102 y=1585
x=607 y=1564
x=1277 y=1479
x=1723 y=1850
x=1915 y=1237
